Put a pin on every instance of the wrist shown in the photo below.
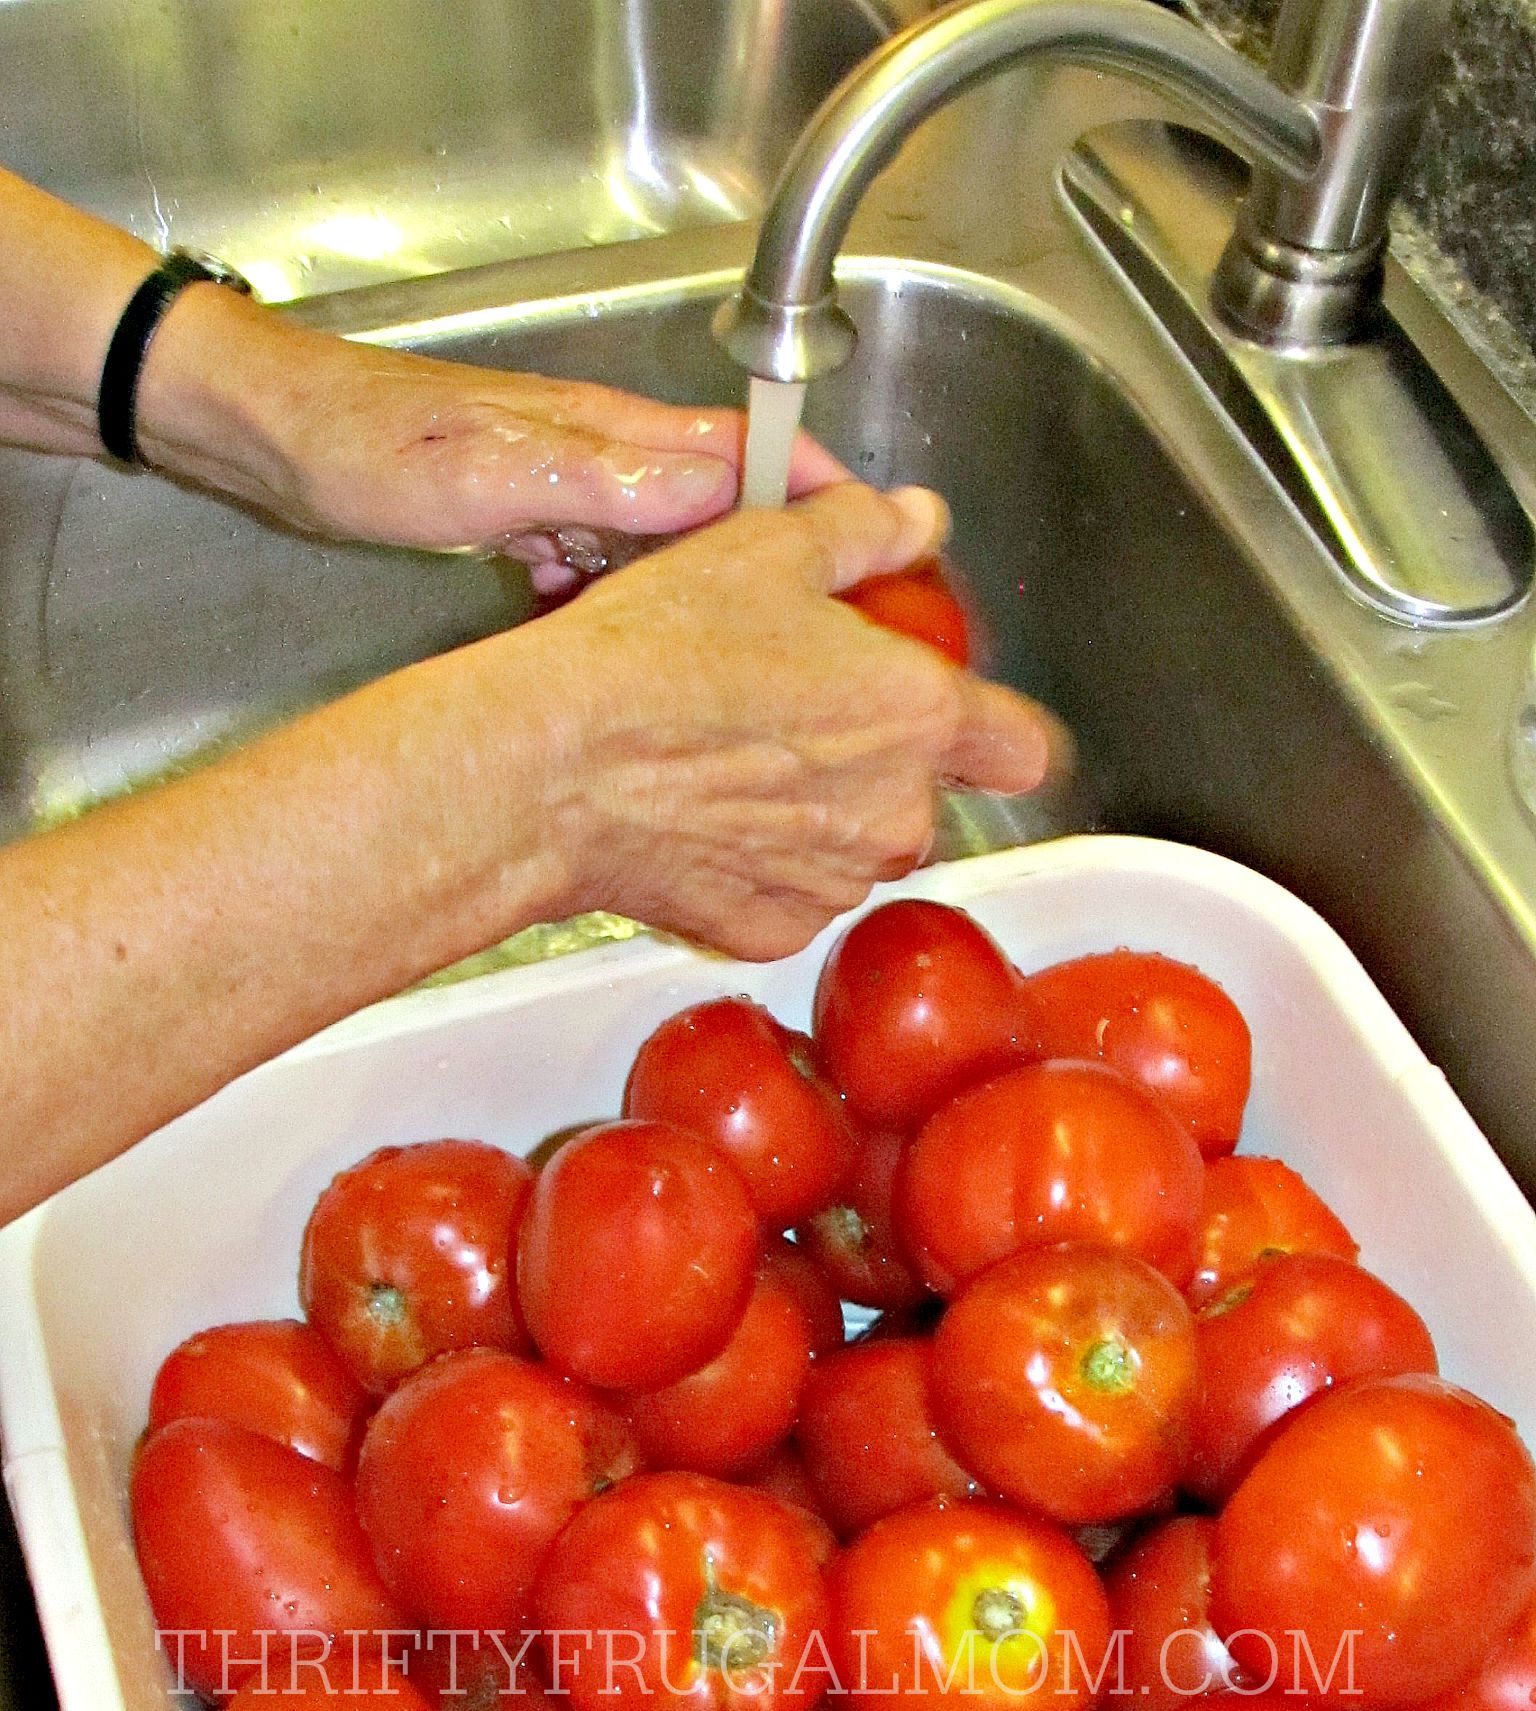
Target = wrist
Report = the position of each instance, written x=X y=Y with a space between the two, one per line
x=211 y=380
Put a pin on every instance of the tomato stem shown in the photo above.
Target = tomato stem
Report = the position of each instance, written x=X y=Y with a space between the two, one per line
x=1109 y=1365
x=386 y=1304
x=730 y=1632
x=997 y=1613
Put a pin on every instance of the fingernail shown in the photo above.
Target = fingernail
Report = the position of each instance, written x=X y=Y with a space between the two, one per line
x=927 y=519
x=694 y=480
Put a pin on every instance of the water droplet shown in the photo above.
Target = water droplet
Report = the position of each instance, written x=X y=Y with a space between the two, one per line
x=1420 y=698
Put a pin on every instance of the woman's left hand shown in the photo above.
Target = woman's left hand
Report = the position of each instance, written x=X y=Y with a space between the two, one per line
x=366 y=443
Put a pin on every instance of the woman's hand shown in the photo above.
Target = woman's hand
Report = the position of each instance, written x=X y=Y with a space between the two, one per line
x=738 y=757
x=364 y=443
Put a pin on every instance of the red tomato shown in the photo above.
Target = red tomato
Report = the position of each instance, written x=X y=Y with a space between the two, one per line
x=407 y=1255
x=1065 y=1376
x=1160 y=1599
x=1399 y=1510
x=677 y=1590
x=913 y=603
x=636 y=1255
x=470 y=1672
x=726 y=1417
x=1252 y=1210
x=276 y=1377
x=239 y=1537
x=819 y=1301
x=1162 y=1023
x=869 y=1437
x=784 y=1475
x=1002 y=1608
x=310 y=1673
x=1053 y=1152
x=1298 y=1326
x=1507 y=1679
x=729 y=1072
x=853 y=1242
x=469 y=1470
x=915 y=1002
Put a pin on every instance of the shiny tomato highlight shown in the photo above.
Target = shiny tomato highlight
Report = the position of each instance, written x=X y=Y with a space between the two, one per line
x=1253 y=1209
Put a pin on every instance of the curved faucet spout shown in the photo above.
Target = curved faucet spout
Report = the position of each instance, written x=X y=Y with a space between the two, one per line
x=785 y=325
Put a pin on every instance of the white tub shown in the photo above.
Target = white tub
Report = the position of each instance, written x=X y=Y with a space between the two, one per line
x=202 y=1222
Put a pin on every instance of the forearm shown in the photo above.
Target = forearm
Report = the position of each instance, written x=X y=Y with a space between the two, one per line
x=166 y=943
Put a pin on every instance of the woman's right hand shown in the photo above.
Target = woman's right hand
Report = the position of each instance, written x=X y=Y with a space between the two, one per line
x=738 y=757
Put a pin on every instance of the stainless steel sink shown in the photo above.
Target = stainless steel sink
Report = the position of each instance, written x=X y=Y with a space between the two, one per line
x=323 y=146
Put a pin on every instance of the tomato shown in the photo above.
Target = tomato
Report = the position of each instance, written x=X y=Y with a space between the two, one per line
x=309 y=1673
x=852 y=1243
x=407 y=1255
x=1053 y=1152
x=636 y=1255
x=1162 y=1023
x=1065 y=1376
x=819 y=1301
x=239 y=1537
x=914 y=1002
x=469 y=1470
x=1506 y=1680
x=678 y=1590
x=784 y=1475
x=1401 y=1510
x=916 y=603
x=1296 y=1327
x=468 y=1672
x=868 y=1434
x=276 y=1377
x=728 y=1071
x=1001 y=1607
x=1252 y=1210
x=726 y=1417
x=1159 y=1598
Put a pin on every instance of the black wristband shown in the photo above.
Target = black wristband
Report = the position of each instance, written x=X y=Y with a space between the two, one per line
x=118 y=394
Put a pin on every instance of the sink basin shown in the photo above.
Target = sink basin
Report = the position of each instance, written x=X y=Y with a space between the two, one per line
x=323 y=145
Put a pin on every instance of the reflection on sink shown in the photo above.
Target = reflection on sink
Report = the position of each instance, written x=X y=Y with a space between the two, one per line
x=319 y=144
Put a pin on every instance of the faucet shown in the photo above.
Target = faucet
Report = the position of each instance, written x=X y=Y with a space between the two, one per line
x=1330 y=131
x=1331 y=398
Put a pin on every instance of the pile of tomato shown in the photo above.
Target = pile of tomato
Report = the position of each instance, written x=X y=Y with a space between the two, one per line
x=1132 y=1422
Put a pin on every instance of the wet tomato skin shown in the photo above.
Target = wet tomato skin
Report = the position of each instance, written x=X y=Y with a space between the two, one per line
x=915 y=603
x=853 y=1242
x=784 y=1476
x=468 y=1472
x=1159 y=1591
x=277 y=1377
x=408 y=1255
x=727 y=1417
x=1052 y=1152
x=797 y=1272
x=1253 y=1209
x=1300 y=1325
x=915 y=1000
x=1064 y=1377
x=305 y=1675
x=973 y=1593
x=1400 y=1509
x=1163 y=1023
x=636 y=1255
x=1506 y=1679
x=726 y=1070
x=675 y=1562
x=869 y=1436
x=237 y=1533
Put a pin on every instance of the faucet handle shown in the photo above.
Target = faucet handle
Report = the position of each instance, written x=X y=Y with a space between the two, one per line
x=1304 y=266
